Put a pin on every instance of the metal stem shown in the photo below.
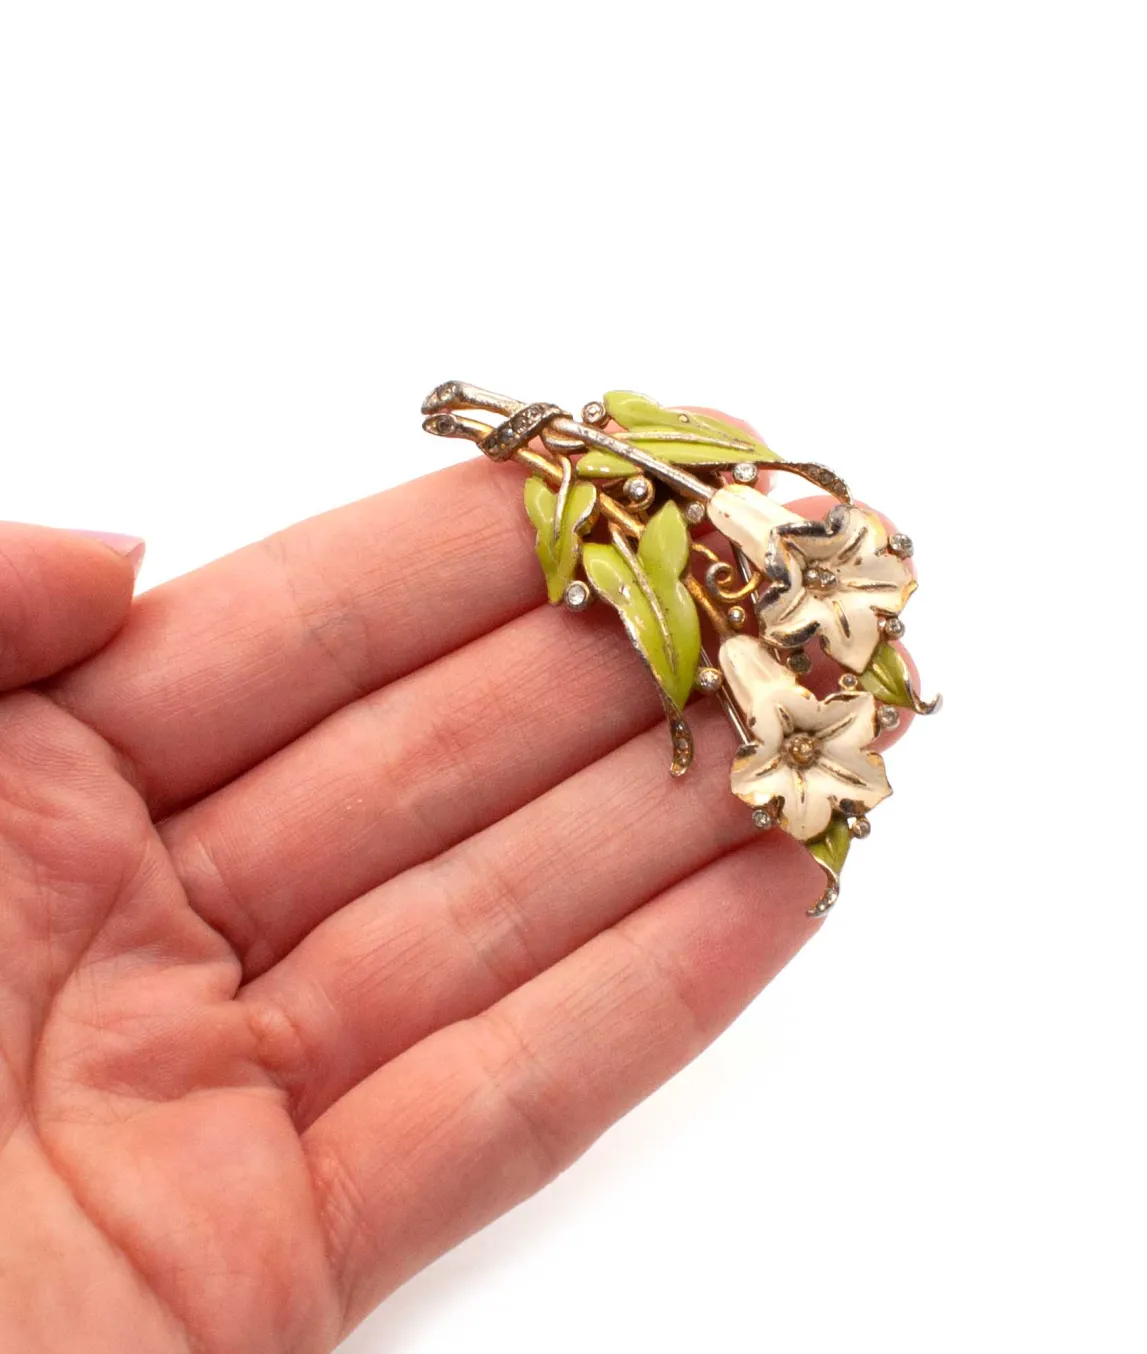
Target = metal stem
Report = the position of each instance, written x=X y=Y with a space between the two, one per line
x=744 y=564
x=673 y=475
x=613 y=510
x=730 y=707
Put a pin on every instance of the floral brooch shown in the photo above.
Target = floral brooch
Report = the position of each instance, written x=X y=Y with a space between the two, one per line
x=658 y=513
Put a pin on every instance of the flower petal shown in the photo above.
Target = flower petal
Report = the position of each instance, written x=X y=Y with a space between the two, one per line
x=846 y=772
x=856 y=776
x=859 y=773
x=754 y=677
x=748 y=517
x=758 y=777
x=885 y=580
x=808 y=805
x=792 y=619
x=848 y=717
x=821 y=541
x=850 y=629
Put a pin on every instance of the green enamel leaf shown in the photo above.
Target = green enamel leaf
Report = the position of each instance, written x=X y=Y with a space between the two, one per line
x=558 y=550
x=632 y=410
x=681 y=437
x=604 y=465
x=653 y=603
x=831 y=847
x=887 y=677
x=700 y=449
x=664 y=550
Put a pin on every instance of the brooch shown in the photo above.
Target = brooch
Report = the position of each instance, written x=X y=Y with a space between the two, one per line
x=660 y=513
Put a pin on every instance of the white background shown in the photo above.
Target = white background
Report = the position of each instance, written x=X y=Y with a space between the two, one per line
x=239 y=242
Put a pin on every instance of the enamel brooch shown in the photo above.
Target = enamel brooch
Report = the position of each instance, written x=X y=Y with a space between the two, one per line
x=662 y=514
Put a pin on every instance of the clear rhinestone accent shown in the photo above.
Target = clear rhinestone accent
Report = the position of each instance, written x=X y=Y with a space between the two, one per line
x=577 y=596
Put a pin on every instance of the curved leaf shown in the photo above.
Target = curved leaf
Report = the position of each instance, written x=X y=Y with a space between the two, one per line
x=831 y=847
x=681 y=437
x=664 y=549
x=604 y=465
x=887 y=677
x=663 y=552
x=656 y=608
x=559 y=545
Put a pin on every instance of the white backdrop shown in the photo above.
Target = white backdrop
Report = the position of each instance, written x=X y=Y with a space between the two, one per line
x=240 y=241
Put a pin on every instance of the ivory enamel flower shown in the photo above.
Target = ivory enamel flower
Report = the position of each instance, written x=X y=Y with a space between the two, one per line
x=616 y=499
x=836 y=577
x=808 y=758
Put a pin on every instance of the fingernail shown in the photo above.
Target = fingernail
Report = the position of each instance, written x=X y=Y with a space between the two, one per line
x=133 y=548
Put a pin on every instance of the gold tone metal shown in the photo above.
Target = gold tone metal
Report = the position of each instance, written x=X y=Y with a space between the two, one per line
x=638 y=489
x=563 y=495
x=681 y=736
x=708 y=679
x=610 y=508
x=922 y=706
x=713 y=613
x=791 y=576
x=702 y=549
x=732 y=710
x=672 y=475
x=819 y=475
x=720 y=574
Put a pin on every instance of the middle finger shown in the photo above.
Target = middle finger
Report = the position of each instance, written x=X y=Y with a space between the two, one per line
x=402 y=774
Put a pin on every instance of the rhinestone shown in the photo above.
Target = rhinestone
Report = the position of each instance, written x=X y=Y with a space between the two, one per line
x=709 y=679
x=849 y=681
x=637 y=488
x=860 y=828
x=893 y=627
x=440 y=396
x=763 y=819
x=593 y=413
x=826 y=900
x=577 y=596
x=737 y=617
x=900 y=545
x=889 y=717
x=745 y=472
x=799 y=662
x=819 y=579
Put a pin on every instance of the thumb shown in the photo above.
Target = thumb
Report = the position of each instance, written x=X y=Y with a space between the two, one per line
x=63 y=595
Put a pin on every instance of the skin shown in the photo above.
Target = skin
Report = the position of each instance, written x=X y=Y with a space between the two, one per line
x=346 y=900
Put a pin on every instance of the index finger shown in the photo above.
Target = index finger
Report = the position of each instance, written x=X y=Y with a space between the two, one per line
x=217 y=670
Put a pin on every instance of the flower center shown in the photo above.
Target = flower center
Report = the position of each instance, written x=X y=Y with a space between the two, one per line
x=801 y=749
x=818 y=579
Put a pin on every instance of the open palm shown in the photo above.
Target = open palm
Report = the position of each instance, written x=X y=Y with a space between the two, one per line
x=344 y=901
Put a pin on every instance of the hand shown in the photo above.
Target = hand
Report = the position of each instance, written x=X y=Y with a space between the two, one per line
x=346 y=899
